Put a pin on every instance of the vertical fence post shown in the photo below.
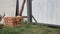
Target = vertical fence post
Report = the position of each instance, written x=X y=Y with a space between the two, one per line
x=17 y=7
x=29 y=11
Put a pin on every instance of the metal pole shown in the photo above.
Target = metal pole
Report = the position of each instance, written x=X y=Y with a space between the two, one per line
x=29 y=11
x=22 y=7
x=17 y=7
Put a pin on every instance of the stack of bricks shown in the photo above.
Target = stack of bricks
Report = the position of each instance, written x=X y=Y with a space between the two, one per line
x=13 y=21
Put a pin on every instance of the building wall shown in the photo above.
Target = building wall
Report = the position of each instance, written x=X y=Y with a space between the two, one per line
x=45 y=11
x=8 y=6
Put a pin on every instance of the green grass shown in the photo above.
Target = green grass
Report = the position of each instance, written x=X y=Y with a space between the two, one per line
x=30 y=29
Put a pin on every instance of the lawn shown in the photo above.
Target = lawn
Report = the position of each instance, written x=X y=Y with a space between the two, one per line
x=30 y=29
